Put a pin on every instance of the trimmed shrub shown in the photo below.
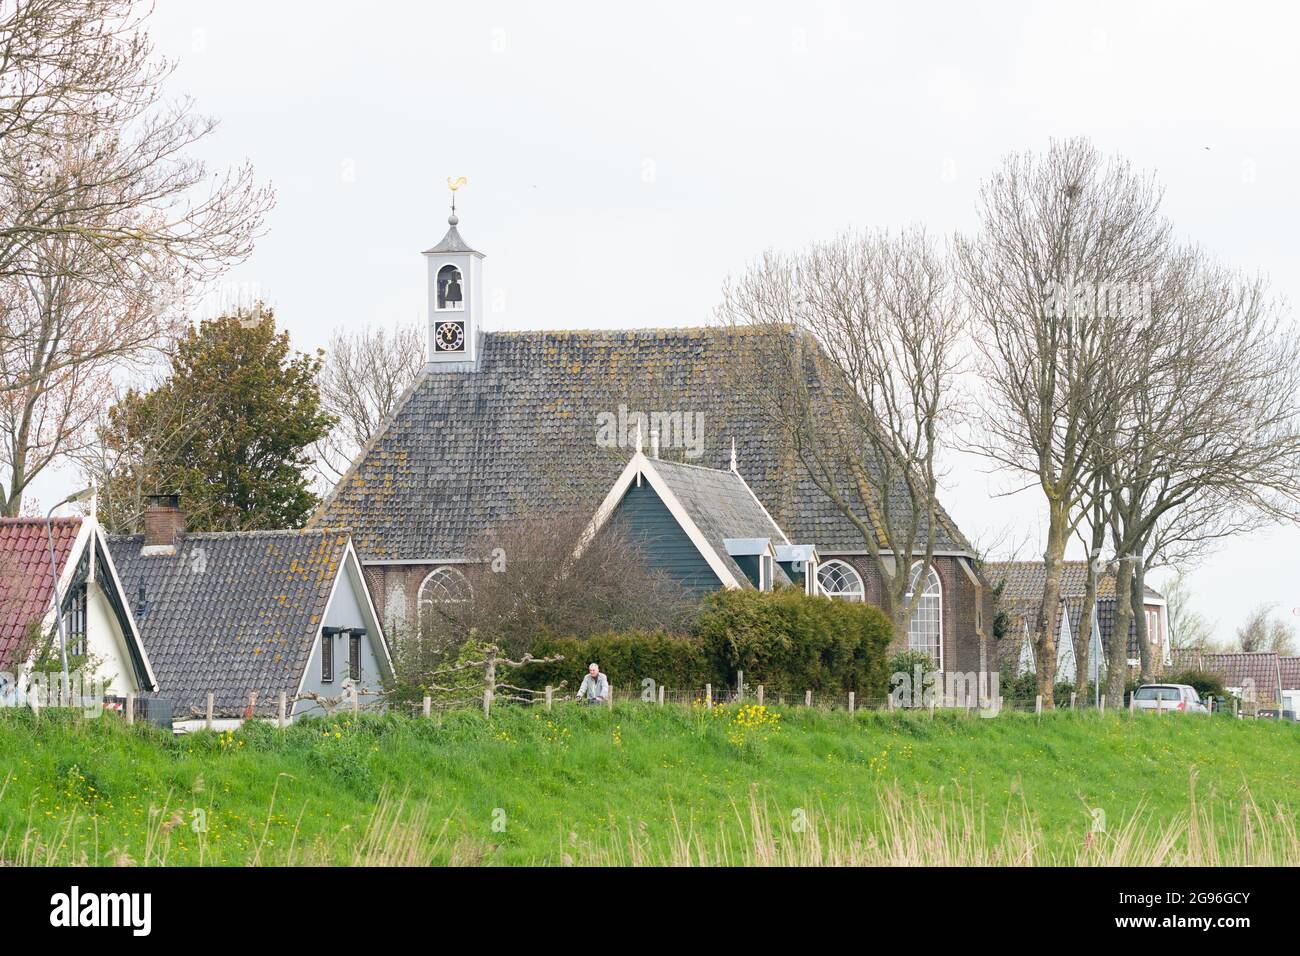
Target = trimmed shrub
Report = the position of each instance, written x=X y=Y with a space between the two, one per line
x=1207 y=683
x=791 y=642
x=676 y=662
x=785 y=640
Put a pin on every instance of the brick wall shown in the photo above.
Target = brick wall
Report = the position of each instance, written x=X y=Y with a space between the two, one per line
x=961 y=650
x=395 y=590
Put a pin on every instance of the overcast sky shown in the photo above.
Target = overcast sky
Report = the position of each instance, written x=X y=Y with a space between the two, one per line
x=624 y=158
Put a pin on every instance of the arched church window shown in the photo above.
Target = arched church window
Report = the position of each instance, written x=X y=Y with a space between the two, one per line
x=451 y=294
x=925 y=629
x=443 y=586
x=839 y=580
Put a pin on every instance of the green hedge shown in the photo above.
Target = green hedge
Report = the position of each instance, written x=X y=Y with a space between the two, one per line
x=676 y=662
x=783 y=639
x=791 y=642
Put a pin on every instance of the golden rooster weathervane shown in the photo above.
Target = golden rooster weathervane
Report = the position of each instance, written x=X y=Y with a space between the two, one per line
x=453 y=185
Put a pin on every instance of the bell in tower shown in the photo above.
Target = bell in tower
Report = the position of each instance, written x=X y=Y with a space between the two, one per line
x=455 y=293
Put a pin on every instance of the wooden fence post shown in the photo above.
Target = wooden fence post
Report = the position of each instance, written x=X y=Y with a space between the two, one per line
x=356 y=699
x=661 y=695
x=130 y=707
x=209 y=717
x=1000 y=699
x=851 y=701
x=428 y=705
x=1132 y=703
x=610 y=699
x=1101 y=704
x=740 y=685
x=1038 y=704
x=760 y=695
x=932 y=706
x=549 y=695
x=807 y=698
x=1211 y=705
x=889 y=702
x=283 y=703
x=708 y=696
x=1073 y=700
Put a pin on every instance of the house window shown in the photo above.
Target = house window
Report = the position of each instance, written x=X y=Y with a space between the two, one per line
x=839 y=580
x=74 y=620
x=925 y=629
x=451 y=293
x=443 y=586
x=327 y=658
x=1153 y=625
x=354 y=657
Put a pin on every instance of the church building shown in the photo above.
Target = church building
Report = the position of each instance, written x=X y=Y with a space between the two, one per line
x=501 y=425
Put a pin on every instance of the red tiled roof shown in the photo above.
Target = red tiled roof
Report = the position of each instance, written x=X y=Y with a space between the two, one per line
x=1290 y=667
x=25 y=586
x=1241 y=669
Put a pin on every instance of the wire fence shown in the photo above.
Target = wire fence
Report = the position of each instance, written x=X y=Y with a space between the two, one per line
x=285 y=709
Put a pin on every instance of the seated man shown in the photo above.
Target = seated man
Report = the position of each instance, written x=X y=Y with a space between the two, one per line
x=595 y=686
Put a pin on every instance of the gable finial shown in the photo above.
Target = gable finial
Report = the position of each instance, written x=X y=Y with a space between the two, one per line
x=733 y=454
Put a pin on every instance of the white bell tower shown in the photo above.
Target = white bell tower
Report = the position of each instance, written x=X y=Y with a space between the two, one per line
x=455 y=293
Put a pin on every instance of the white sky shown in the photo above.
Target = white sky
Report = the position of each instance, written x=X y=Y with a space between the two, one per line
x=624 y=158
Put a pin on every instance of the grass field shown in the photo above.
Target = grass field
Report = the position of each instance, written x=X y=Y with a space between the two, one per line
x=641 y=784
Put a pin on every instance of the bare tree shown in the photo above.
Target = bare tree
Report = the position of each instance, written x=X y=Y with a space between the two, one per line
x=65 y=337
x=1058 y=234
x=1188 y=628
x=366 y=373
x=532 y=584
x=1264 y=632
x=1208 y=442
x=79 y=81
x=852 y=363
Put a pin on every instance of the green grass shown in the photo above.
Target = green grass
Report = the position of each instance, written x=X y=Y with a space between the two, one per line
x=591 y=785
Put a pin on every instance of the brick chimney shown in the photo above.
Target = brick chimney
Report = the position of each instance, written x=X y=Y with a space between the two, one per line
x=163 y=521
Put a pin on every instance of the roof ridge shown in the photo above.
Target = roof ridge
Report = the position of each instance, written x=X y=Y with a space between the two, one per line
x=260 y=533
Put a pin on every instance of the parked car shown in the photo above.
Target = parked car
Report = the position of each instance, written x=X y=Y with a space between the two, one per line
x=1175 y=698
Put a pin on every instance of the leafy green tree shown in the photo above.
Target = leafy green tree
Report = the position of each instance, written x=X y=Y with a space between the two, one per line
x=239 y=411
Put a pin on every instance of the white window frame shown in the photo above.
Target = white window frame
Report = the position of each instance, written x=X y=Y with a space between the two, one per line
x=938 y=594
x=859 y=596
x=423 y=600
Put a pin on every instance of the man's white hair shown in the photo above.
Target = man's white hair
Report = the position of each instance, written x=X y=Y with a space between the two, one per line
x=593 y=664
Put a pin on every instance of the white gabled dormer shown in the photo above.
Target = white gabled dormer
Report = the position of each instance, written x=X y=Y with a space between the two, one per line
x=455 y=296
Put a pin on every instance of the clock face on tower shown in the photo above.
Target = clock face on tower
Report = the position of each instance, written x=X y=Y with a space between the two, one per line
x=450 y=336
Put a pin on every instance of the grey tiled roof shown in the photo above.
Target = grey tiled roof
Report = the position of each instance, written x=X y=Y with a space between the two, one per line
x=230 y=613
x=1023 y=590
x=721 y=507
x=471 y=447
